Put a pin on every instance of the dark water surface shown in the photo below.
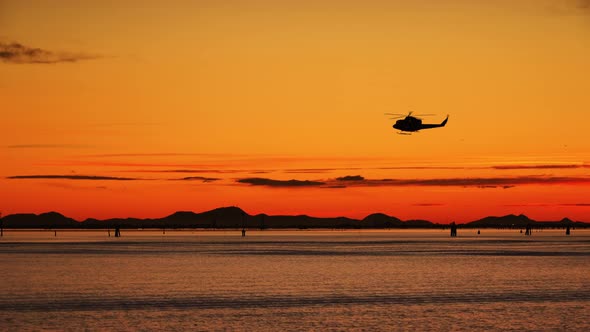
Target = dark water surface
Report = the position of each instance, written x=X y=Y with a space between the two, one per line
x=295 y=280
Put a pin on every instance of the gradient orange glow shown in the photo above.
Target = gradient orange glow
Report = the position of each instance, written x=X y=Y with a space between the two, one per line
x=281 y=90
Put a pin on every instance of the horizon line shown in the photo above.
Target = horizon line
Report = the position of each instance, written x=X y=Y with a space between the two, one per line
x=292 y=215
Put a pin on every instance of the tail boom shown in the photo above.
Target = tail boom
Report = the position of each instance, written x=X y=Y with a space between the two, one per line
x=442 y=124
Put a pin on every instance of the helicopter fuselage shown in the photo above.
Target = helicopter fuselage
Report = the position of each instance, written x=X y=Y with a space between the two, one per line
x=412 y=124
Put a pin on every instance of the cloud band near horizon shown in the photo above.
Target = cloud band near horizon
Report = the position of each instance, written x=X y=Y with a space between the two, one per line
x=359 y=181
x=71 y=177
x=20 y=54
x=279 y=183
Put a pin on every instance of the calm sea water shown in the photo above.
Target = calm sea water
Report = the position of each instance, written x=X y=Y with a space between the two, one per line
x=295 y=280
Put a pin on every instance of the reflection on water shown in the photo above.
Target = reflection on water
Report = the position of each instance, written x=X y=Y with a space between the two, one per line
x=295 y=280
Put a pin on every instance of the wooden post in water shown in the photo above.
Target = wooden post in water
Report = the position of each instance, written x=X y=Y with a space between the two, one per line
x=453 y=229
x=262 y=225
x=243 y=224
x=1 y=225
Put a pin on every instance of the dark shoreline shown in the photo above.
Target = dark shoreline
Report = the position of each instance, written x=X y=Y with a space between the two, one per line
x=235 y=218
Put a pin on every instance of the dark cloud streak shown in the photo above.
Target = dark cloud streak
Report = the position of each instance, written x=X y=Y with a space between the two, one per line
x=505 y=182
x=188 y=171
x=549 y=166
x=279 y=183
x=350 y=178
x=71 y=177
x=197 y=178
x=549 y=205
x=21 y=54
x=47 y=146
x=359 y=181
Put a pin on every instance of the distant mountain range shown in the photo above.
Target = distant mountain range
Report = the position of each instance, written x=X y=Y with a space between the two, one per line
x=234 y=217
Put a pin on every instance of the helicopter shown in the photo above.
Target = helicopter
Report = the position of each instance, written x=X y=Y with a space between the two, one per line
x=411 y=123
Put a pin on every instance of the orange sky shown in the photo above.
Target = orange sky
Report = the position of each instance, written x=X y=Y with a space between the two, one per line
x=149 y=107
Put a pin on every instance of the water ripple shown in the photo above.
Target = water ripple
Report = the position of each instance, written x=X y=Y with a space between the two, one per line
x=232 y=302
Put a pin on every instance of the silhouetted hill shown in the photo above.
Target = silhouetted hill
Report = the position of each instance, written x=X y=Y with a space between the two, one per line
x=43 y=220
x=119 y=222
x=234 y=217
x=303 y=221
x=521 y=221
x=380 y=220
x=505 y=221
x=419 y=224
x=224 y=217
x=228 y=217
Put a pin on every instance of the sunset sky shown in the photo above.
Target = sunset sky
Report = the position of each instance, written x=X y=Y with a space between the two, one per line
x=144 y=108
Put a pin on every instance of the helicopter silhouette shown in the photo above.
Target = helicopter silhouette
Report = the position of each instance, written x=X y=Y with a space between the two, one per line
x=411 y=123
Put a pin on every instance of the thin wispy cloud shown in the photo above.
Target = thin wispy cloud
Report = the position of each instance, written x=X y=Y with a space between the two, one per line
x=211 y=167
x=308 y=170
x=504 y=182
x=250 y=159
x=158 y=154
x=72 y=177
x=494 y=187
x=185 y=171
x=319 y=170
x=495 y=167
x=350 y=178
x=549 y=205
x=70 y=186
x=249 y=166
x=197 y=178
x=227 y=166
x=428 y=167
x=477 y=182
x=546 y=166
x=22 y=54
x=122 y=124
x=566 y=7
x=279 y=183
x=47 y=146
x=246 y=170
x=530 y=205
